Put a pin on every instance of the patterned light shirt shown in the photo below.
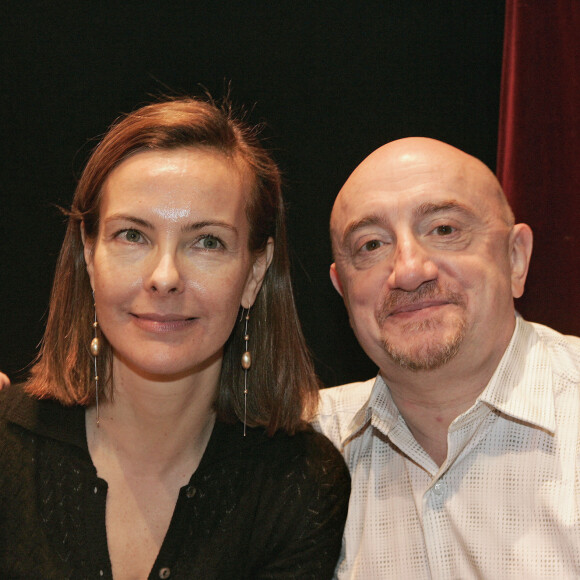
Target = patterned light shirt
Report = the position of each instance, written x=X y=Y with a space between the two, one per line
x=505 y=503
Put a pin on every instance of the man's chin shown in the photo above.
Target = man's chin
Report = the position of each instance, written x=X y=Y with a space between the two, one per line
x=421 y=349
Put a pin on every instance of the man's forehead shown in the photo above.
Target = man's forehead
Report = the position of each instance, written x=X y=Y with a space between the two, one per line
x=410 y=200
x=376 y=188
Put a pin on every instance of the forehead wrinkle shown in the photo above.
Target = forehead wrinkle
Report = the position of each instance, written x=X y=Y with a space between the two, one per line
x=431 y=208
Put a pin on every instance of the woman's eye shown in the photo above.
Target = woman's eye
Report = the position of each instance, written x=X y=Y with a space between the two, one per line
x=210 y=243
x=133 y=236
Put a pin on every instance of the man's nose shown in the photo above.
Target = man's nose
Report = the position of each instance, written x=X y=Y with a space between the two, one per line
x=412 y=265
x=165 y=277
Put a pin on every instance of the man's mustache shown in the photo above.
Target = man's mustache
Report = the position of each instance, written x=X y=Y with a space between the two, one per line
x=397 y=299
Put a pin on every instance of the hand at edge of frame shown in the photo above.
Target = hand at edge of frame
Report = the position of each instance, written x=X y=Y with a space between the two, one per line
x=4 y=380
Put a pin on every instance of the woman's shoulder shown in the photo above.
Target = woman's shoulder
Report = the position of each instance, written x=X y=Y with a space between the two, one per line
x=41 y=417
x=11 y=392
x=321 y=461
x=16 y=406
x=308 y=456
x=310 y=450
x=312 y=446
x=16 y=442
x=307 y=452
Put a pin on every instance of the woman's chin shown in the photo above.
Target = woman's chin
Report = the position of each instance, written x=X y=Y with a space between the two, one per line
x=165 y=370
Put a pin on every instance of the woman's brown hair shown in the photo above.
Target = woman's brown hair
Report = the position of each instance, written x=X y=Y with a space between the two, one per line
x=283 y=388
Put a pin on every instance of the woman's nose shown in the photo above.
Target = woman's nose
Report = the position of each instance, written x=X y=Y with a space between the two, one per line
x=165 y=275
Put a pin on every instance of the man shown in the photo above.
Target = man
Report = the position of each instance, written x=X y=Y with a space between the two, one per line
x=464 y=452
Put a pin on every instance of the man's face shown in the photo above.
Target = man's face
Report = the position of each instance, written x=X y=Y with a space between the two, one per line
x=424 y=258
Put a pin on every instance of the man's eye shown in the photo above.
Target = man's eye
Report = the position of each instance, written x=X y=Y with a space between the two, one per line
x=370 y=246
x=444 y=230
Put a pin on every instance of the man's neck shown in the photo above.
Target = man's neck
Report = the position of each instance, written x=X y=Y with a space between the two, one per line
x=429 y=401
x=428 y=415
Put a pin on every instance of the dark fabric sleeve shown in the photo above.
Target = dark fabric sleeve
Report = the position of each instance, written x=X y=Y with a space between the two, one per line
x=312 y=508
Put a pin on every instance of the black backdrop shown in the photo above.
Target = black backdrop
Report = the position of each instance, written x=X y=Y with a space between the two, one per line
x=333 y=81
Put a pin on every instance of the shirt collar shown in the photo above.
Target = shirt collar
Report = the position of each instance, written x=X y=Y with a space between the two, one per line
x=521 y=386
x=379 y=411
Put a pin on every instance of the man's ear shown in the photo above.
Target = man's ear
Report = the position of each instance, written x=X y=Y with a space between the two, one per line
x=254 y=282
x=521 y=243
x=335 y=279
x=88 y=248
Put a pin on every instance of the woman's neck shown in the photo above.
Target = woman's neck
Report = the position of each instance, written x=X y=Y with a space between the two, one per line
x=154 y=425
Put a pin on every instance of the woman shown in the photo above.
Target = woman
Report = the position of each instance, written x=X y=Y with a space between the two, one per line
x=161 y=433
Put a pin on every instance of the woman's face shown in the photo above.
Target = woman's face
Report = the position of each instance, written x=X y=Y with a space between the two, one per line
x=170 y=265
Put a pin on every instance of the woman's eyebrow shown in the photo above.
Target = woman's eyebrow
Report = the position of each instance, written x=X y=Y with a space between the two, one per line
x=190 y=227
x=128 y=218
x=194 y=226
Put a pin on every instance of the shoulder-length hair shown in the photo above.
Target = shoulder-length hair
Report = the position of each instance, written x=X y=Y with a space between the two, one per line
x=283 y=389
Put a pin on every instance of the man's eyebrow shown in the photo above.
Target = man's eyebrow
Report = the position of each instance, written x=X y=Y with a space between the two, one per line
x=354 y=226
x=423 y=210
x=430 y=208
x=190 y=227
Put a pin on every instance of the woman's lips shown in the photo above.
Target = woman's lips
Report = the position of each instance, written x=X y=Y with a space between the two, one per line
x=162 y=322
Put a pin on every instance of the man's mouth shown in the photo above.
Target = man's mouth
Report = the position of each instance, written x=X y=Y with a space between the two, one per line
x=415 y=306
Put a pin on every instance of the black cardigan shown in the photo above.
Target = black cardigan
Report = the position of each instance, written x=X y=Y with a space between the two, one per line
x=256 y=507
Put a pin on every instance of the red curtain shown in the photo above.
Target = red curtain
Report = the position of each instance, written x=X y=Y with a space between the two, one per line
x=539 y=151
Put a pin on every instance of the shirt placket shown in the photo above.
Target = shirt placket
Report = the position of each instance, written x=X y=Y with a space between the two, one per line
x=447 y=554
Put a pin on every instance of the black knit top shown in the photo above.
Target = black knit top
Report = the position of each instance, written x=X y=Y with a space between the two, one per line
x=256 y=507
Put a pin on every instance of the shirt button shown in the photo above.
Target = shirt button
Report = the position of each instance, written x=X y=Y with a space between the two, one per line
x=439 y=488
x=190 y=492
x=164 y=573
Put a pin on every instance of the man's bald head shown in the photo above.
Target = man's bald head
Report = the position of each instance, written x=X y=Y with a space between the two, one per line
x=407 y=158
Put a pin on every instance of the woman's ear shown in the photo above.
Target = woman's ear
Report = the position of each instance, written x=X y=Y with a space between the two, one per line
x=521 y=243
x=88 y=248
x=260 y=266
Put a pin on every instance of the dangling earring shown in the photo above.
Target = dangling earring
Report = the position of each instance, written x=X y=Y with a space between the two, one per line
x=95 y=349
x=246 y=364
